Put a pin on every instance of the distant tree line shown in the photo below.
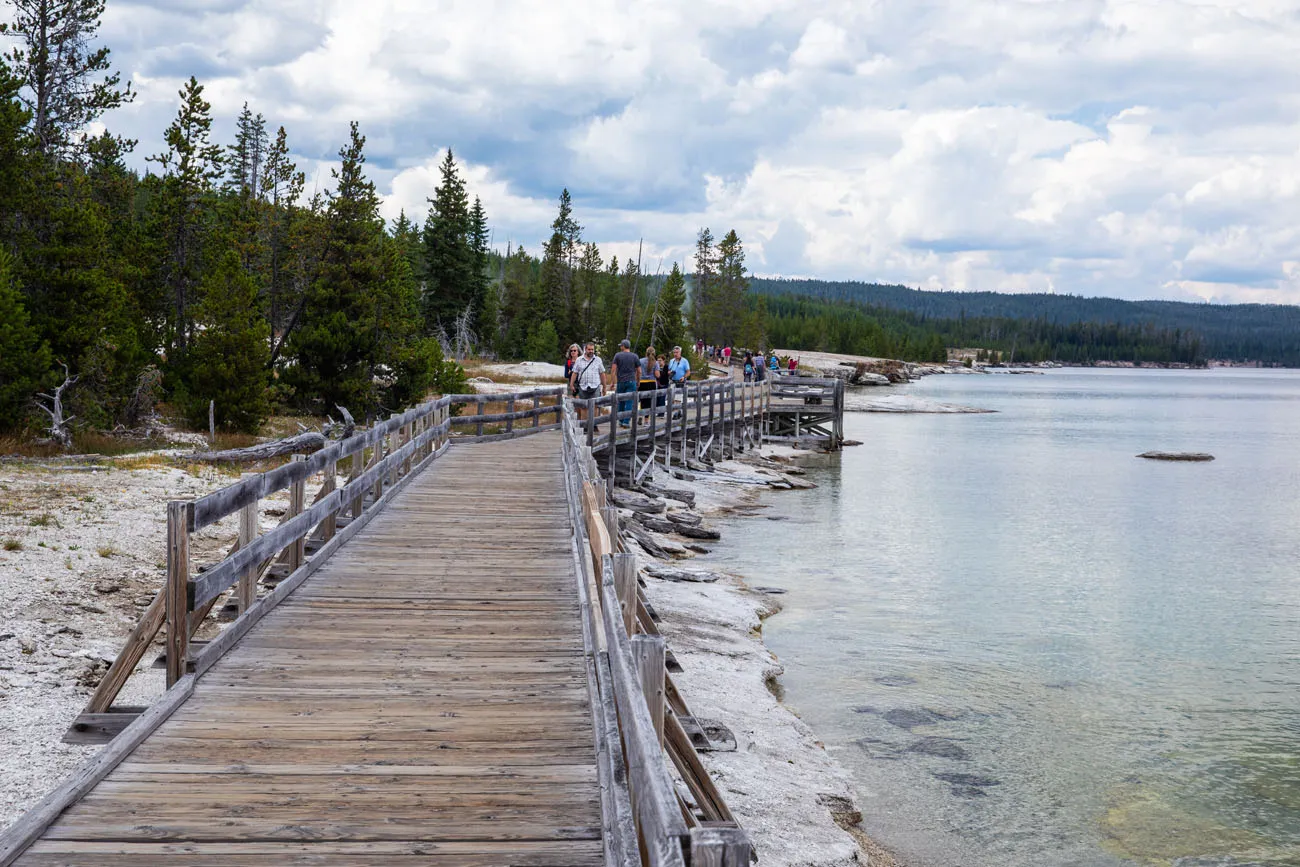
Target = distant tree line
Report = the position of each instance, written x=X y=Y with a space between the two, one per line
x=800 y=322
x=1152 y=330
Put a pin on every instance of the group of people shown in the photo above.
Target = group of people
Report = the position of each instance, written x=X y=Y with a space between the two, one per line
x=628 y=373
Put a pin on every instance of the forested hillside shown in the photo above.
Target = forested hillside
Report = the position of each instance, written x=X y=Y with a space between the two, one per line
x=1169 y=330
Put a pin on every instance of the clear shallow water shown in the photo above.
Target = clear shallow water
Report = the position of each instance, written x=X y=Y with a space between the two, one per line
x=1032 y=648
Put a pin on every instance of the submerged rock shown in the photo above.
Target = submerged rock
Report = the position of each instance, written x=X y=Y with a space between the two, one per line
x=910 y=718
x=1177 y=456
x=940 y=747
x=963 y=779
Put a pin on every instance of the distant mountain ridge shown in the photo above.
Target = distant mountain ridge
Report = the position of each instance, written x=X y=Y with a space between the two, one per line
x=1268 y=333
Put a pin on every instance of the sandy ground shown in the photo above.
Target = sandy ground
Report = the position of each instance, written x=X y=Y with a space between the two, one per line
x=86 y=556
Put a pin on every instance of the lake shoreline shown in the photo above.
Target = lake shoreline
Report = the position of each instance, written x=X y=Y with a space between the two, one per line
x=794 y=798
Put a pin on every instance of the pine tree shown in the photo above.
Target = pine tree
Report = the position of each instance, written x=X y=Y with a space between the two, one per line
x=227 y=361
x=24 y=358
x=543 y=343
x=281 y=186
x=586 y=289
x=335 y=345
x=728 y=301
x=480 y=282
x=246 y=156
x=61 y=72
x=668 y=330
x=191 y=165
x=449 y=257
x=702 y=318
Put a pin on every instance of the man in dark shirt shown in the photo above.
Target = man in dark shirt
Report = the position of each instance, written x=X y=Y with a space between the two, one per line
x=627 y=369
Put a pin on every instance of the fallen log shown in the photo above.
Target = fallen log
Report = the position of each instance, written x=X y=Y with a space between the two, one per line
x=309 y=441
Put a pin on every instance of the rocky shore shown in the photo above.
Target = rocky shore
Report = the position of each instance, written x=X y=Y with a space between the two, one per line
x=784 y=788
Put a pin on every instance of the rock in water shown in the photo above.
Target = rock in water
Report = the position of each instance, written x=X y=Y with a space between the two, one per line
x=1176 y=456
x=941 y=747
x=909 y=718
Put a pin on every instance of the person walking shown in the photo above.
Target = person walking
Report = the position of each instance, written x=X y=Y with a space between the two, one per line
x=571 y=358
x=749 y=367
x=627 y=369
x=773 y=362
x=794 y=363
x=760 y=368
x=587 y=379
x=649 y=376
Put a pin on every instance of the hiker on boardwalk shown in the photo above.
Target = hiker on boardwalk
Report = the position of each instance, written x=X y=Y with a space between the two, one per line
x=571 y=358
x=587 y=378
x=760 y=367
x=627 y=373
x=773 y=362
x=794 y=363
x=749 y=367
x=649 y=376
x=679 y=368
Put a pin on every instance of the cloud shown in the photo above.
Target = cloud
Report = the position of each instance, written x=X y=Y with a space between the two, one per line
x=1096 y=147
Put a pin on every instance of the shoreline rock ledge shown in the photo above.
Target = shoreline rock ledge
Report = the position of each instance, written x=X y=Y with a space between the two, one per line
x=1177 y=456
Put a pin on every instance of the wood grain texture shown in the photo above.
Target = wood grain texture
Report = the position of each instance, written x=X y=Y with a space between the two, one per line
x=423 y=697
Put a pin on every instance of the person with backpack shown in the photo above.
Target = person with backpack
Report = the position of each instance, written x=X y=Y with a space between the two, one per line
x=749 y=367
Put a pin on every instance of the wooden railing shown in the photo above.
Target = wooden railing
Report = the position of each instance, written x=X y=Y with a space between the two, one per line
x=639 y=734
x=710 y=418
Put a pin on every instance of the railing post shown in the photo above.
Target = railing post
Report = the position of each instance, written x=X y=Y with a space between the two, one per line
x=482 y=405
x=510 y=408
x=297 y=502
x=247 y=533
x=331 y=523
x=650 y=655
x=609 y=515
x=626 y=587
x=719 y=846
x=358 y=467
x=177 y=589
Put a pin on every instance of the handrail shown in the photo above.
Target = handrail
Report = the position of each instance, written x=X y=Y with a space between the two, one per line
x=631 y=670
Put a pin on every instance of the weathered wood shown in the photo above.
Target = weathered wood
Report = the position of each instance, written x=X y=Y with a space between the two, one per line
x=247 y=533
x=662 y=827
x=100 y=728
x=137 y=644
x=177 y=589
x=693 y=772
x=648 y=654
x=215 y=581
x=303 y=442
x=720 y=845
x=626 y=588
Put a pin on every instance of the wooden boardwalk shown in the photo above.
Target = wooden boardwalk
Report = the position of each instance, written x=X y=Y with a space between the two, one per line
x=422 y=699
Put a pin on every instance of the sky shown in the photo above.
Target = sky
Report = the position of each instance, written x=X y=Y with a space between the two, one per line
x=1127 y=149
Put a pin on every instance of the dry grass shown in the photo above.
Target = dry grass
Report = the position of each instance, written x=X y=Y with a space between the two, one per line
x=107 y=551
x=142 y=462
x=13 y=544
x=44 y=519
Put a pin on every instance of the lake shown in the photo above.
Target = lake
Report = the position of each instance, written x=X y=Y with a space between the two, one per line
x=1031 y=647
